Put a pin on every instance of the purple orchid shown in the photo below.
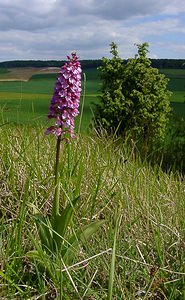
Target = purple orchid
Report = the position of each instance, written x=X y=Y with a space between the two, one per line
x=65 y=101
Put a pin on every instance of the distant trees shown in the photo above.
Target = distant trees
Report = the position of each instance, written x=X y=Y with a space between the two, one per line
x=30 y=63
x=89 y=63
x=134 y=100
x=168 y=63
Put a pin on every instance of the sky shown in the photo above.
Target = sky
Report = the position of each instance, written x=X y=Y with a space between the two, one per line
x=52 y=29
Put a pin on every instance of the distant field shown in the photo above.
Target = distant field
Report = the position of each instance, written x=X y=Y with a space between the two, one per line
x=23 y=74
x=3 y=71
x=177 y=86
x=176 y=83
x=173 y=73
x=27 y=100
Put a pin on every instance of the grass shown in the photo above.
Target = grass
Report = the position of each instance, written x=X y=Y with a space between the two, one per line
x=178 y=97
x=179 y=109
x=143 y=209
x=173 y=73
x=138 y=253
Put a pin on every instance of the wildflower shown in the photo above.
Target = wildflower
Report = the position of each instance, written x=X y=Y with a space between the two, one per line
x=66 y=97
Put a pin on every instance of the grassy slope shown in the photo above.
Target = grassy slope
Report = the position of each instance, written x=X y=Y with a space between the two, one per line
x=113 y=184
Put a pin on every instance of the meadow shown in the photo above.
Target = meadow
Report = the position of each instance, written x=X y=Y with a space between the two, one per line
x=138 y=252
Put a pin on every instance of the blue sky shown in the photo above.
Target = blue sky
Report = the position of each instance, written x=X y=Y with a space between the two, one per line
x=51 y=29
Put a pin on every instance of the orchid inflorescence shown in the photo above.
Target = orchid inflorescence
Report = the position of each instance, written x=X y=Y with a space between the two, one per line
x=65 y=101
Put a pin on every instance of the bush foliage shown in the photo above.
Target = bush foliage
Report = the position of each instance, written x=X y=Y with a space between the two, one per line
x=135 y=99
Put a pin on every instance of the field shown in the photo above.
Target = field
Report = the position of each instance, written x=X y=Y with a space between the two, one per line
x=27 y=101
x=177 y=86
x=121 y=230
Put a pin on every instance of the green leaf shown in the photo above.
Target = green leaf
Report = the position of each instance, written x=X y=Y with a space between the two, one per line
x=62 y=221
x=83 y=235
x=45 y=231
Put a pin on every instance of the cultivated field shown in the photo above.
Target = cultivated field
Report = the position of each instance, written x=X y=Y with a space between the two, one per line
x=177 y=86
x=23 y=74
x=27 y=102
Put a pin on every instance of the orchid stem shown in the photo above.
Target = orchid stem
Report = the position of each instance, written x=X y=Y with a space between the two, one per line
x=55 y=207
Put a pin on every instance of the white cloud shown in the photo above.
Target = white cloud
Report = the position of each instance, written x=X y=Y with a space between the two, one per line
x=49 y=29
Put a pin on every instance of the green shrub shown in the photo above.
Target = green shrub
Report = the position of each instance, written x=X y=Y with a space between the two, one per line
x=134 y=100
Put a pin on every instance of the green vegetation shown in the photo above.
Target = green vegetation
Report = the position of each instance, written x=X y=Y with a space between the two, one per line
x=135 y=100
x=137 y=253
x=176 y=84
x=3 y=71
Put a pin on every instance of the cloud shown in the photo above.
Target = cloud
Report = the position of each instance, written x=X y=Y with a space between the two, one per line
x=52 y=13
x=47 y=29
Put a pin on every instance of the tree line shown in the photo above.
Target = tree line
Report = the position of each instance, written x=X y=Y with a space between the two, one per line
x=90 y=63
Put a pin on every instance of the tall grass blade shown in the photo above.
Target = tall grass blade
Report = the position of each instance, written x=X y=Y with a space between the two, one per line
x=113 y=261
x=82 y=107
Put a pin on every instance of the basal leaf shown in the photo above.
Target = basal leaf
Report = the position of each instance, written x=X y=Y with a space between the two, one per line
x=45 y=231
x=62 y=221
x=82 y=235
